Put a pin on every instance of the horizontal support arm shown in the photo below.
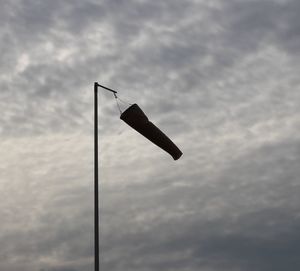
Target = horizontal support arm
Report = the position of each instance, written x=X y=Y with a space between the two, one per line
x=109 y=89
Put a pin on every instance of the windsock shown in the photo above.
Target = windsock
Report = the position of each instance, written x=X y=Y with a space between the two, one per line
x=136 y=118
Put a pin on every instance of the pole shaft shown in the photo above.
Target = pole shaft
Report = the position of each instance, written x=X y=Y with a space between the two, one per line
x=96 y=199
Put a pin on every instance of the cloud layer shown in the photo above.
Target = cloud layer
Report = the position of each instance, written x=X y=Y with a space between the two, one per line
x=221 y=78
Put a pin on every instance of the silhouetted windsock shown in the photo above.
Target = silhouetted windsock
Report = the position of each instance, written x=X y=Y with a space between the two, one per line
x=136 y=118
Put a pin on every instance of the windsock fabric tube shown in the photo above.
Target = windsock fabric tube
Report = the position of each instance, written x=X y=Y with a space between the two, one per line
x=136 y=118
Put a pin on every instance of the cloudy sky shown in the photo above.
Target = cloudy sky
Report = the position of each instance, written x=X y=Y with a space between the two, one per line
x=220 y=77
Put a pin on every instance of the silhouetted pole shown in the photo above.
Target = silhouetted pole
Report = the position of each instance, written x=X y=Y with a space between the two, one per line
x=96 y=166
x=96 y=201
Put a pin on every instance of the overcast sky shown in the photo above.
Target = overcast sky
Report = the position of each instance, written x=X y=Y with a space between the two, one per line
x=220 y=78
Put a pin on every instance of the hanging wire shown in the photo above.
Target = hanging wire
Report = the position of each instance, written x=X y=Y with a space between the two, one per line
x=122 y=101
x=118 y=105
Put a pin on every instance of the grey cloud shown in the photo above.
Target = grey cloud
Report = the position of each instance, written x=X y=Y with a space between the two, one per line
x=220 y=78
x=248 y=225
x=179 y=51
x=44 y=217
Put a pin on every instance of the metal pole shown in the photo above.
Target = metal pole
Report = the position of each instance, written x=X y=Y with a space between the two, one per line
x=96 y=166
x=96 y=199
